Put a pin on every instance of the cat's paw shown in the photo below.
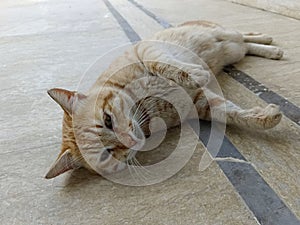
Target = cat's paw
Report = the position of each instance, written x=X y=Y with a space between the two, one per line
x=196 y=78
x=265 y=39
x=272 y=112
x=276 y=53
x=262 y=118
x=271 y=116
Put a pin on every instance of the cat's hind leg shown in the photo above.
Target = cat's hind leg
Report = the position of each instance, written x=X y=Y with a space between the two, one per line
x=213 y=107
x=266 y=51
x=257 y=38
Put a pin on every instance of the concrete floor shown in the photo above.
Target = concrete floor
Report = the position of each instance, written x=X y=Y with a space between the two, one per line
x=47 y=44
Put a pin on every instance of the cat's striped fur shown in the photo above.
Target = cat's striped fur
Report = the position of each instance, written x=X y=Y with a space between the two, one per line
x=104 y=126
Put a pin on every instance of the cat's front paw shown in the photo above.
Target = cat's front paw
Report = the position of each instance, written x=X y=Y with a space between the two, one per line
x=196 y=78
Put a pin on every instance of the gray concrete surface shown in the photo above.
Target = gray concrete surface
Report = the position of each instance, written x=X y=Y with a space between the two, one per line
x=289 y=8
x=47 y=44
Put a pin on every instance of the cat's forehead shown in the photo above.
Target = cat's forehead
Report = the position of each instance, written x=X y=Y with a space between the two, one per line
x=115 y=101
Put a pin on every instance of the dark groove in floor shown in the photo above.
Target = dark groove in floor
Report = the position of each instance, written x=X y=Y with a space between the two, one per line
x=129 y=31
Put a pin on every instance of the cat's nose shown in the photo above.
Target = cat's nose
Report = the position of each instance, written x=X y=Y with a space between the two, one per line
x=127 y=140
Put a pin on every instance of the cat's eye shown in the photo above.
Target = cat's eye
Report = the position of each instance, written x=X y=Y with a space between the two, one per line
x=108 y=121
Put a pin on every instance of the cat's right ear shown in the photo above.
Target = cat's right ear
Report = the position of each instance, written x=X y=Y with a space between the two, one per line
x=68 y=100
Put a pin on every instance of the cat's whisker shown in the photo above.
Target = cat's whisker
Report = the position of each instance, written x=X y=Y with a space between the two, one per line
x=136 y=162
x=145 y=116
x=139 y=115
x=143 y=169
x=131 y=170
x=137 y=174
x=141 y=123
x=131 y=164
x=152 y=100
x=144 y=126
x=135 y=166
x=145 y=104
x=137 y=109
x=148 y=109
x=130 y=155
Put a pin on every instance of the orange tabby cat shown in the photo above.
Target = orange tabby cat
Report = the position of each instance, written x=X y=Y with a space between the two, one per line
x=106 y=123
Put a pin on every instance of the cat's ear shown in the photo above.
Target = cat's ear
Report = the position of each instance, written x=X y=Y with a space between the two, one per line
x=66 y=99
x=64 y=163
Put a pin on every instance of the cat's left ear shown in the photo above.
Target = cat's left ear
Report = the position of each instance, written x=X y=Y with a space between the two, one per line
x=66 y=99
x=64 y=163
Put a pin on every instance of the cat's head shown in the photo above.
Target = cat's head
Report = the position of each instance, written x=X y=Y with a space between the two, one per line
x=100 y=132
